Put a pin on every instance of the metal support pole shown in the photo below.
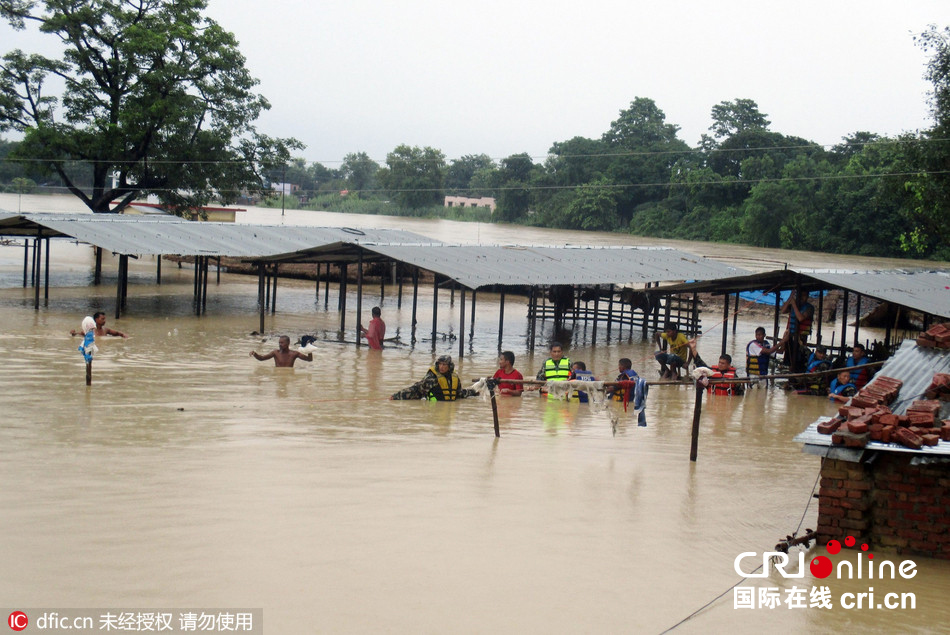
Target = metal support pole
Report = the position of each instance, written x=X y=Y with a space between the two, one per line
x=435 y=306
x=857 y=319
x=158 y=269
x=38 y=248
x=97 y=274
x=359 y=297
x=461 y=322
x=501 y=317
x=326 y=290
x=821 y=314
x=273 y=297
x=471 y=332
x=844 y=323
x=610 y=311
x=593 y=332
x=725 y=322
x=204 y=291
x=261 y=300
x=46 y=274
x=415 y=298
x=735 y=314
x=343 y=276
x=26 y=260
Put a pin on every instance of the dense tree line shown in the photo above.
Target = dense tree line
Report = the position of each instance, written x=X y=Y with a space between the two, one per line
x=158 y=101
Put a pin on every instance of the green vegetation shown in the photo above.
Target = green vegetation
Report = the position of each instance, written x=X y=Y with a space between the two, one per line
x=744 y=183
x=156 y=99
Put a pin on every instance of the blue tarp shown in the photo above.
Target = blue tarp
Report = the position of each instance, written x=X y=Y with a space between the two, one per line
x=760 y=297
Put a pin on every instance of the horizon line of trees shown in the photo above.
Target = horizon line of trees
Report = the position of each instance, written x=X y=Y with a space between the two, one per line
x=158 y=101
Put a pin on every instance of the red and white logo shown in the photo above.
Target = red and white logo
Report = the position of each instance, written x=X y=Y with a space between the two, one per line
x=18 y=620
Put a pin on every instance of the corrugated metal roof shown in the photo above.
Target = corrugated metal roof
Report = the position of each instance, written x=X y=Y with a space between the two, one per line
x=154 y=235
x=915 y=367
x=475 y=266
x=927 y=291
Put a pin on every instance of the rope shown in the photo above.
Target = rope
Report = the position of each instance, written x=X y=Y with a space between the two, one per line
x=758 y=568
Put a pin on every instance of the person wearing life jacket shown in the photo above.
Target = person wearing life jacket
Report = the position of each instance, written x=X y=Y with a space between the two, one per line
x=841 y=389
x=758 y=352
x=580 y=373
x=859 y=357
x=818 y=362
x=800 y=315
x=557 y=367
x=724 y=370
x=625 y=368
x=440 y=384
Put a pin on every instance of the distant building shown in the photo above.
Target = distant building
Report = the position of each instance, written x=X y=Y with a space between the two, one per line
x=465 y=201
x=284 y=188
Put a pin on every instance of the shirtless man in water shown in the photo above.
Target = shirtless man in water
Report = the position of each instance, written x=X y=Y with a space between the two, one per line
x=101 y=329
x=283 y=356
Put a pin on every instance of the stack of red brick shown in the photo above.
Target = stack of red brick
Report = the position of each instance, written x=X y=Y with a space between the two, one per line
x=935 y=337
x=868 y=418
x=939 y=388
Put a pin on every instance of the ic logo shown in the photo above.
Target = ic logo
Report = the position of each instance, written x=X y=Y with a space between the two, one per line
x=18 y=620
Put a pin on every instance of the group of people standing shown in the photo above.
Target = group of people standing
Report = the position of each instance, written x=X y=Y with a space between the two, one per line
x=675 y=353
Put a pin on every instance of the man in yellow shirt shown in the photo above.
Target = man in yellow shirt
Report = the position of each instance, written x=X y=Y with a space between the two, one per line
x=673 y=353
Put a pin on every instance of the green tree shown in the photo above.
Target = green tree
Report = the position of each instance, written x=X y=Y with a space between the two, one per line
x=593 y=208
x=732 y=117
x=928 y=210
x=515 y=178
x=414 y=176
x=156 y=100
x=458 y=176
x=643 y=149
x=359 y=171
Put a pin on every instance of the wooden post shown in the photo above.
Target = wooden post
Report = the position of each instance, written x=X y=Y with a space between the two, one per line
x=697 y=411
x=494 y=412
x=326 y=290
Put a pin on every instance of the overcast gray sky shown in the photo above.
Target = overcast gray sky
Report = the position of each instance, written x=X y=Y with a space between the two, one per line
x=506 y=76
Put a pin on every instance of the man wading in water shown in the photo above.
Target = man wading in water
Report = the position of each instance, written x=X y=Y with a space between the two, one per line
x=283 y=357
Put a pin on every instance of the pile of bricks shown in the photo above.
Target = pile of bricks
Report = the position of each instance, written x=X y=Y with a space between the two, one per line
x=935 y=337
x=868 y=417
x=939 y=388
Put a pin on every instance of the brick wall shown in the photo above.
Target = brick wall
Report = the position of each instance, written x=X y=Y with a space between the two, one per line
x=888 y=502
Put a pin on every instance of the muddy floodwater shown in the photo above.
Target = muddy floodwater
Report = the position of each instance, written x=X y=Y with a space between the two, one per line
x=191 y=475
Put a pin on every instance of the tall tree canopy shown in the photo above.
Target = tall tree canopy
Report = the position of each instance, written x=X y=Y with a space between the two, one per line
x=414 y=176
x=156 y=99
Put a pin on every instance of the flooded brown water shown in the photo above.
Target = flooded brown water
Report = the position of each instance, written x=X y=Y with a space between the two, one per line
x=191 y=475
